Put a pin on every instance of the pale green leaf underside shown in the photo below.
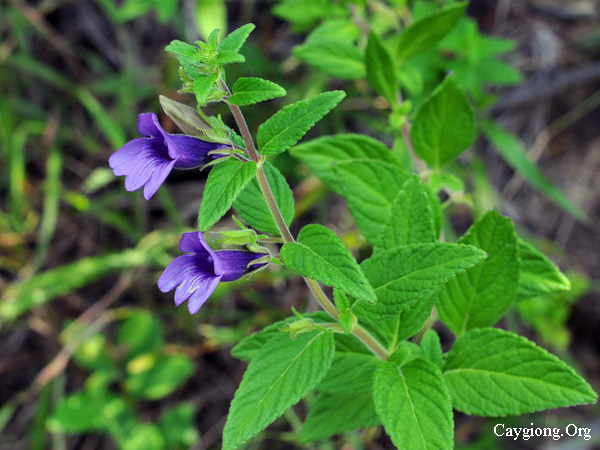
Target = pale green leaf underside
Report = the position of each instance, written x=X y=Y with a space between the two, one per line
x=538 y=275
x=414 y=405
x=444 y=126
x=277 y=378
x=338 y=413
x=288 y=125
x=253 y=208
x=481 y=295
x=405 y=275
x=225 y=182
x=338 y=59
x=370 y=188
x=322 y=153
x=320 y=255
x=493 y=373
x=247 y=91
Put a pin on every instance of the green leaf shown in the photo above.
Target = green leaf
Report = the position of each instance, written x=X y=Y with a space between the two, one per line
x=93 y=353
x=411 y=219
x=140 y=333
x=141 y=435
x=381 y=70
x=494 y=373
x=288 y=125
x=405 y=275
x=152 y=376
x=444 y=126
x=414 y=405
x=225 y=182
x=538 y=275
x=77 y=413
x=370 y=188
x=338 y=59
x=177 y=426
x=320 y=255
x=431 y=347
x=513 y=152
x=247 y=91
x=280 y=375
x=202 y=88
x=234 y=41
x=227 y=57
x=182 y=51
x=424 y=34
x=481 y=295
x=338 y=413
x=350 y=373
x=248 y=347
x=253 y=208
x=322 y=153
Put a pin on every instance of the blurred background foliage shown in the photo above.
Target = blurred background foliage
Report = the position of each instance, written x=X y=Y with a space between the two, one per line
x=92 y=355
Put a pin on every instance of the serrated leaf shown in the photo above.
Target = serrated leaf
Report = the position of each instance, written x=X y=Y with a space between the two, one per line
x=444 y=126
x=338 y=413
x=414 y=405
x=381 y=70
x=338 y=59
x=481 y=295
x=228 y=57
x=247 y=91
x=431 y=347
x=202 y=88
x=494 y=373
x=405 y=275
x=225 y=182
x=288 y=125
x=513 y=152
x=411 y=219
x=320 y=255
x=253 y=208
x=248 y=347
x=320 y=154
x=370 y=188
x=234 y=41
x=277 y=378
x=350 y=373
x=538 y=275
x=424 y=34
x=182 y=51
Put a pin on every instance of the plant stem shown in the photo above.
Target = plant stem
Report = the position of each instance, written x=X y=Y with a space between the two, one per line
x=363 y=335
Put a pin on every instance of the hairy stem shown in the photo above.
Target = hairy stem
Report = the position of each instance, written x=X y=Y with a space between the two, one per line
x=365 y=337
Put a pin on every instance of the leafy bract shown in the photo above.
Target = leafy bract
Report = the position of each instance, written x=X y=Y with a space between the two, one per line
x=338 y=413
x=538 y=275
x=288 y=125
x=424 y=34
x=253 y=208
x=320 y=255
x=481 y=295
x=491 y=372
x=444 y=126
x=414 y=405
x=381 y=70
x=322 y=153
x=225 y=182
x=513 y=152
x=411 y=219
x=370 y=188
x=234 y=41
x=247 y=91
x=338 y=59
x=405 y=275
x=278 y=376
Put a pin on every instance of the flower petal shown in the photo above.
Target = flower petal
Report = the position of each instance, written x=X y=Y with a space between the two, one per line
x=180 y=268
x=147 y=161
x=148 y=125
x=201 y=294
x=189 y=151
x=123 y=160
x=235 y=263
x=158 y=176
x=195 y=243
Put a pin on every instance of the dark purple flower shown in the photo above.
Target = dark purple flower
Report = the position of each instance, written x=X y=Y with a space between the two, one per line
x=196 y=276
x=149 y=160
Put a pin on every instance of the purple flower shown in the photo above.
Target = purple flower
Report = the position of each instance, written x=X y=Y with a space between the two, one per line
x=149 y=160
x=196 y=276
